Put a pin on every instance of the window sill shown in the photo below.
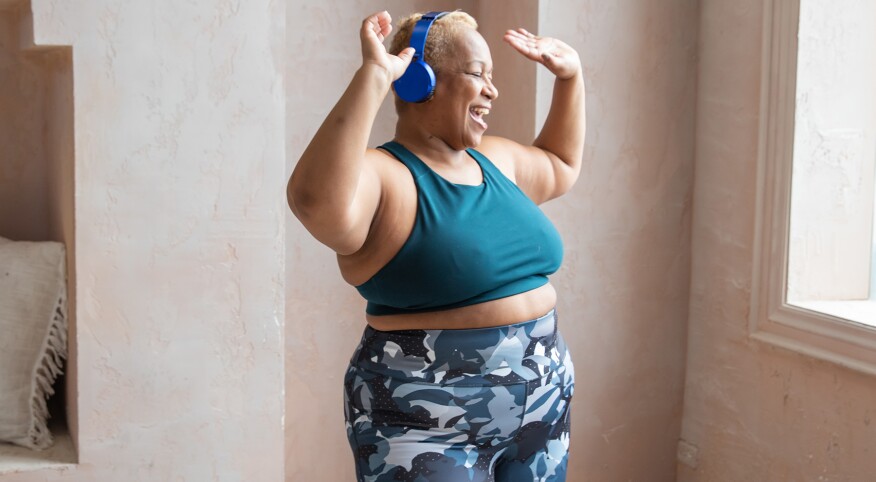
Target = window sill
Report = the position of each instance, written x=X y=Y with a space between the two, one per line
x=61 y=455
x=858 y=311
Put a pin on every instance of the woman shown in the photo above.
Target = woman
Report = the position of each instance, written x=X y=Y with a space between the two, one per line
x=461 y=373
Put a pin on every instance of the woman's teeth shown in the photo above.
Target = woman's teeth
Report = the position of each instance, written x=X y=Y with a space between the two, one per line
x=478 y=113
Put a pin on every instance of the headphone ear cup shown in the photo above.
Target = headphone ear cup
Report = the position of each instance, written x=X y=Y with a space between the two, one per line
x=417 y=83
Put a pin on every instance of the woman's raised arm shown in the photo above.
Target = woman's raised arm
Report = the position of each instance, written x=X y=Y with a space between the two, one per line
x=550 y=166
x=334 y=190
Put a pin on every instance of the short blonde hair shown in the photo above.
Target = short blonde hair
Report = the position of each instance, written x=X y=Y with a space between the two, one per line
x=440 y=35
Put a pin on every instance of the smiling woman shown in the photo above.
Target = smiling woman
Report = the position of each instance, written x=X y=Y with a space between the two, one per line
x=461 y=373
x=465 y=85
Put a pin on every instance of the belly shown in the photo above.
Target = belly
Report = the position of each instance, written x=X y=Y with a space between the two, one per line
x=521 y=307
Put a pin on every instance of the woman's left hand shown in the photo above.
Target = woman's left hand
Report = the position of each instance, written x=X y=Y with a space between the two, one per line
x=556 y=55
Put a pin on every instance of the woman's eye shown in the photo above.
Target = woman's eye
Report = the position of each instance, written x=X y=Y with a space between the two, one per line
x=476 y=74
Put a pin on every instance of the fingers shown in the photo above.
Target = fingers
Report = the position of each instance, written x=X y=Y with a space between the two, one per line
x=558 y=57
x=384 y=23
x=379 y=24
x=523 y=35
x=523 y=44
x=515 y=38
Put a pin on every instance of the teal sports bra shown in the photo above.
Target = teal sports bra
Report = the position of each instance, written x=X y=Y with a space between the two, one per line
x=469 y=244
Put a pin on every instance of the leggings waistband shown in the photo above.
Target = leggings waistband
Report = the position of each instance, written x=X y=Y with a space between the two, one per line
x=496 y=355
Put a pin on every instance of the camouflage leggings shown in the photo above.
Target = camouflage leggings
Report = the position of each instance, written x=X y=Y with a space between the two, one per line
x=489 y=404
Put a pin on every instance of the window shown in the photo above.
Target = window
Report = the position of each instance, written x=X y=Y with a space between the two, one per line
x=814 y=243
x=832 y=180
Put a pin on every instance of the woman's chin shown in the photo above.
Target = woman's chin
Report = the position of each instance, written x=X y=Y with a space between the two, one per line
x=474 y=139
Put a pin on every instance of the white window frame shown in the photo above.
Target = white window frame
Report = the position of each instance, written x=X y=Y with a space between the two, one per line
x=771 y=319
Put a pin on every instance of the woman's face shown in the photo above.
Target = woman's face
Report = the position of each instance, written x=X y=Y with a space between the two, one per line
x=464 y=92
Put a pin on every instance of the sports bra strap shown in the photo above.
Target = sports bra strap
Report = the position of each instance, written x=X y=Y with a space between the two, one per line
x=489 y=169
x=412 y=162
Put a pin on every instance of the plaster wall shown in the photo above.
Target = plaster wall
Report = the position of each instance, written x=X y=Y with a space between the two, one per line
x=752 y=411
x=24 y=169
x=179 y=240
x=624 y=284
x=513 y=113
x=58 y=131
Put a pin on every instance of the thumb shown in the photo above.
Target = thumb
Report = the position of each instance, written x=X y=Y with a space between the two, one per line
x=406 y=55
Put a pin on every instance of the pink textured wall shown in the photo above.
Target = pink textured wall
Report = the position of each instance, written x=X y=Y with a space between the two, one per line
x=624 y=284
x=59 y=146
x=752 y=411
x=513 y=114
x=24 y=168
x=179 y=242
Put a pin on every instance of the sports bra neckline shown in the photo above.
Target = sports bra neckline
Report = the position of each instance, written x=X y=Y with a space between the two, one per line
x=422 y=168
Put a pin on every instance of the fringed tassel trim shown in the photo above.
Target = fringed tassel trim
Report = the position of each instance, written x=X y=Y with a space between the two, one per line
x=47 y=370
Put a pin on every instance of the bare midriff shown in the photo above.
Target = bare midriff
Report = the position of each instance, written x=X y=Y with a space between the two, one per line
x=521 y=307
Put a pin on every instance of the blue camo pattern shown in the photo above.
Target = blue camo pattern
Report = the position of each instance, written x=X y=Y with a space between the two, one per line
x=486 y=404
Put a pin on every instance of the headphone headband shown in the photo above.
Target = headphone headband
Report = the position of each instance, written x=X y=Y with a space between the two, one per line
x=421 y=30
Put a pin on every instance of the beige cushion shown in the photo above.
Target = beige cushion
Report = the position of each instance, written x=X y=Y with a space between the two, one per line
x=33 y=337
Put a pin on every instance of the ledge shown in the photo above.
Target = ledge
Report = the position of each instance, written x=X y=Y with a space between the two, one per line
x=61 y=455
x=859 y=311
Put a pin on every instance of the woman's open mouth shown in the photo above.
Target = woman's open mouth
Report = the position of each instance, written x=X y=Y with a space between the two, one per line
x=478 y=113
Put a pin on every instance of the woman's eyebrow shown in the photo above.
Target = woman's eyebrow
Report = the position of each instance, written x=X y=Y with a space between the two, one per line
x=481 y=62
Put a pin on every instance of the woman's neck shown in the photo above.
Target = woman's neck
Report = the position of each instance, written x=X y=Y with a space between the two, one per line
x=425 y=144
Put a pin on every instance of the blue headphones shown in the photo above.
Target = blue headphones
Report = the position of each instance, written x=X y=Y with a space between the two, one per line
x=418 y=81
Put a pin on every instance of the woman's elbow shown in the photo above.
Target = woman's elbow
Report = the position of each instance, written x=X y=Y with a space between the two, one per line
x=300 y=197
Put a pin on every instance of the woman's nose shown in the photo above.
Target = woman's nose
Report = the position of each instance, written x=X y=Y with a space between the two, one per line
x=490 y=90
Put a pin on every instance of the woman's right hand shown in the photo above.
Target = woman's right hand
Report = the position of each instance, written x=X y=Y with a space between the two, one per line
x=374 y=30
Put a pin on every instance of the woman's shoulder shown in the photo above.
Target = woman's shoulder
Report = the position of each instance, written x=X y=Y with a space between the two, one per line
x=381 y=161
x=391 y=173
x=501 y=152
